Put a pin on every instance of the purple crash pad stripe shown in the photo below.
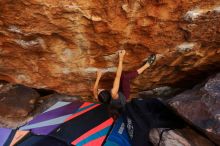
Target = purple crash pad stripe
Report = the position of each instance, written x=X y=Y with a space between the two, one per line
x=10 y=138
x=4 y=135
x=65 y=110
x=44 y=130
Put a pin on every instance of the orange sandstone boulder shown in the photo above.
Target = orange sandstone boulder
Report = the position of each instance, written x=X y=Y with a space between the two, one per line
x=59 y=45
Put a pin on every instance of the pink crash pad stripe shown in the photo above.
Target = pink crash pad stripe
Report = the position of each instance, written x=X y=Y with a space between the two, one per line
x=80 y=113
x=103 y=125
x=85 y=104
x=18 y=136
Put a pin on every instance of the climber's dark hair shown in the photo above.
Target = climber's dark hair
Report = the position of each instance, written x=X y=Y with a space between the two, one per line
x=114 y=110
x=104 y=97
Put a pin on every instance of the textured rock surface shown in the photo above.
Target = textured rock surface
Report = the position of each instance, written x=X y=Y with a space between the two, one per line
x=201 y=107
x=19 y=104
x=17 y=100
x=59 y=45
x=16 y=103
x=183 y=137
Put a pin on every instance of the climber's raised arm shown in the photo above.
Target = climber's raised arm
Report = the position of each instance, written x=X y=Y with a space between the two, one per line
x=95 y=88
x=116 y=84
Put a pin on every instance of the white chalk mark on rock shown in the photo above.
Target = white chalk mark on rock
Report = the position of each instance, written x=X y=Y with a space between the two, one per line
x=92 y=17
x=186 y=46
x=125 y=8
x=94 y=69
x=217 y=9
x=13 y=28
x=26 y=44
x=72 y=8
x=111 y=57
x=195 y=13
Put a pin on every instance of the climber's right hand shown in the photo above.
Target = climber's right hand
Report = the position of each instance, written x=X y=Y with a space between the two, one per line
x=121 y=54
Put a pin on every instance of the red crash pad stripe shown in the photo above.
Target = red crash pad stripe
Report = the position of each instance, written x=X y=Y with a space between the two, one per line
x=85 y=104
x=103 y=125
x=80 y=113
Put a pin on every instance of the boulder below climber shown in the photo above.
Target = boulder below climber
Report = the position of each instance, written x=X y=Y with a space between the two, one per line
x=16 y=103
x=180 y=137
x=201 y=107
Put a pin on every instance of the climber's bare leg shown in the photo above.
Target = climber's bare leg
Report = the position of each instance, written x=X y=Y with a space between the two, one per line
x=143 y=68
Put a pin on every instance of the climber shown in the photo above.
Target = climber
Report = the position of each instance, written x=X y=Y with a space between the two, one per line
x=121 y=87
